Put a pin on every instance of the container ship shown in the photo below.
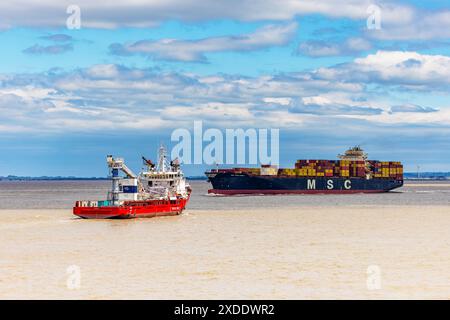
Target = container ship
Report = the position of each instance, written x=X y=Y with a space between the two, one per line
x=159 y=190
x=352 y=173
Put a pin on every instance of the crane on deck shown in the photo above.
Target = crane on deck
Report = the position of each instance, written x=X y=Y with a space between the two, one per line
x=116 y=194
x=119 y=164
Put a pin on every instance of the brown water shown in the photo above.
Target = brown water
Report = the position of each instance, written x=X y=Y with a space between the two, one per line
x=257 y=248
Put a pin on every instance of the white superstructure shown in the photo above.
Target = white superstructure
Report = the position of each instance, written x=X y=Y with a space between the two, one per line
x=162 y=181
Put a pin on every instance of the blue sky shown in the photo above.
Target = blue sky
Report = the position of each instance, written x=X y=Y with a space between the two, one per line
x=131 y=74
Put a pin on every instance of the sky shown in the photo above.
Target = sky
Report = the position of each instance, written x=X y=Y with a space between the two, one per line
x=119 y=78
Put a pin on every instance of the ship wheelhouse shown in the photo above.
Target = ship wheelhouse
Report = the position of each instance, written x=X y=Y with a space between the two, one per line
x=164 y=179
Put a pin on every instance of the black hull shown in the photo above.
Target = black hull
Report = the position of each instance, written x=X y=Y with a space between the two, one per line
x=231 y=183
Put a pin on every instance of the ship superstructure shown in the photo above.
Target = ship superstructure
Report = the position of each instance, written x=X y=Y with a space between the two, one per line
x=354 y=154
x=165 y=179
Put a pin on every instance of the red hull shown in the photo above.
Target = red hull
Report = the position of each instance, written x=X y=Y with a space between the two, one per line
x=133 y=209
x=262 y=191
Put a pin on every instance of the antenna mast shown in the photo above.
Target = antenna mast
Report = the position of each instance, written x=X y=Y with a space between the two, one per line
x=163 y=165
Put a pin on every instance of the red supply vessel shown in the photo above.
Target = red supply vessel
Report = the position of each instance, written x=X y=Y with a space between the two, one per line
x=159 y=190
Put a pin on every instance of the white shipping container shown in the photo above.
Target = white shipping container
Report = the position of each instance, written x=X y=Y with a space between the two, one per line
x=128 y=182
x=127 y=196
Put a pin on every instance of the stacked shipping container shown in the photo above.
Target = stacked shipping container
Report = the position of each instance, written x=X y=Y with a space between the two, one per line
x=330 y=168
x=386 y=169
x=346 y=168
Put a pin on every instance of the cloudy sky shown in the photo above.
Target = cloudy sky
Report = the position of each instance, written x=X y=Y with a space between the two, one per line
x=329 y=74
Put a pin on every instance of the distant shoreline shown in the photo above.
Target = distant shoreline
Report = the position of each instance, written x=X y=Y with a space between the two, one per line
x=199 y=178
x=408 y=176
x=44 y=178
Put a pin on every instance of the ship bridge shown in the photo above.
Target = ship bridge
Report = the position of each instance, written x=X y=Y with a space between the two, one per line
x=166 y=176
x=354 y=154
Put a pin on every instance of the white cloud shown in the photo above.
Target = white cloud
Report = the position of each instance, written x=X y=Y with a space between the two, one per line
x=441 y=117
x=411 y=108
x=417 y=24
x=281 y=101
x=111 y=97
x=194 y=50
x=141 y=13
x=409 y=69
x=322 y=48
x=103 y=71
x=399 y=21
x=214 y=111
x=322 y=105
x=51 y=49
